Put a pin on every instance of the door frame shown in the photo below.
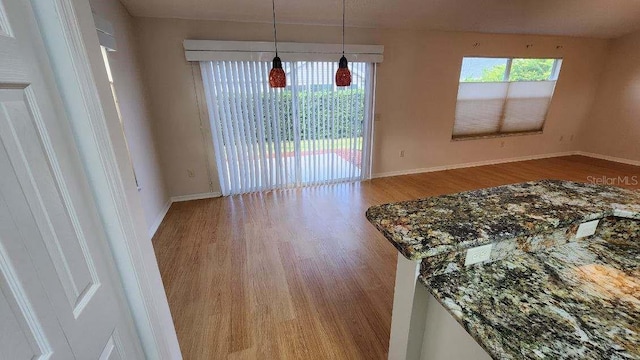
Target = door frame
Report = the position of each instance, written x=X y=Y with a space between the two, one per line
x=69 y=34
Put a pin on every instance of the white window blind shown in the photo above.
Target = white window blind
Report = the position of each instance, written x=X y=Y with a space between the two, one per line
x=307 y=133
x=504 y=96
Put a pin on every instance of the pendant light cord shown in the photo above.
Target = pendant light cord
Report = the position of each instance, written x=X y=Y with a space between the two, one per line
x=275 y=32
x=343 y=1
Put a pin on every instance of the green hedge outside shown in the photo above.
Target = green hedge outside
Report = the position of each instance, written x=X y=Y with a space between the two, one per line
x=312 y=107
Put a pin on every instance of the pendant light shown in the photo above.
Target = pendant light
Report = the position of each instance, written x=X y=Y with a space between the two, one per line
x=343 y=75
x=277 y=77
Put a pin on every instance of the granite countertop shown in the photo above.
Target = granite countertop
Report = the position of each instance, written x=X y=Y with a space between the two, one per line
x=544 y=292
x=580 y=300
x=441 y=224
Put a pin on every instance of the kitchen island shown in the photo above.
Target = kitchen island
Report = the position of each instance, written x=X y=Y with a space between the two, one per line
x=546 y=269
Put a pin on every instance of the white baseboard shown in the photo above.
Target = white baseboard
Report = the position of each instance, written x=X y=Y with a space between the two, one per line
x=154 y=227
x=199 y=196
x=507 y=160
x=207 y=195
x=609 y=158
x=156 y=223
x=473 y=164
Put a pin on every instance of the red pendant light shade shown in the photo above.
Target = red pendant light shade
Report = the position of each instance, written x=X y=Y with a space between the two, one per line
x=277 y=77
x=343 y=75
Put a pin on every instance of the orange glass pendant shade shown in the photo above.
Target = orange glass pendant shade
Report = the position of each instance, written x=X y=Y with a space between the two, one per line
x=343 y=75
x=277 y=77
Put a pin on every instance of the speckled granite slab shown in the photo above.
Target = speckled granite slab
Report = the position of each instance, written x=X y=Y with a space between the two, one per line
x=454 y=260
x=580 y=300
x=443 y=224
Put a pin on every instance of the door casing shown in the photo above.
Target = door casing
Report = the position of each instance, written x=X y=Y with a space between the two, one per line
x=69 y=34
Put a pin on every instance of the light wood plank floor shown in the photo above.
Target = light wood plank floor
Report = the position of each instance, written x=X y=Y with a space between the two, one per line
x=301 y=274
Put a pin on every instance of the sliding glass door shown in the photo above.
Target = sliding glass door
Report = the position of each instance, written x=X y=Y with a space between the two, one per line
x=310 y=132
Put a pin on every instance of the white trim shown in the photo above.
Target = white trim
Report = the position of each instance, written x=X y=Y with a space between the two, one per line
x=163 y=212
x=503 y=161
x=212 y=50
x=158 y=220
x=268 y=56
x=161 y=215
x=407 y=313
x=199 y=196
x=608 y=158
x=372 y=124
x=70 y=36
x=284 y=47
x=472 y=164
x=369 y=113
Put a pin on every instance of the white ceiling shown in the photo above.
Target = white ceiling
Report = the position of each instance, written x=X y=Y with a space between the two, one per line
x=590 y=18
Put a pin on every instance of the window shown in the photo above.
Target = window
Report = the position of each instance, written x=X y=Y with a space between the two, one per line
x=310 y=132
x=105 y=57
x=501 y=96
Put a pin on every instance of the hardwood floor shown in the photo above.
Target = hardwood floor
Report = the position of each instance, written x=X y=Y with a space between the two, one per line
x=301 y=274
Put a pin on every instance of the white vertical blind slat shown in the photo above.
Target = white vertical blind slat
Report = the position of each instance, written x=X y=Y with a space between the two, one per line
x=353 y=123
x=331 y=122
x=353 y=120
x=312 y=118
x=325 y=138
x=227 y=148
x=296 y=127
x=271 y=183
x=275 y=123
x=365 y=160
x=247 y=149
x=246 y=125
x=251 y=129
x=216 y=133
x=290 y=144
x=315 y=122
x=233 y=114
x=338 y=125
x=242 y=148
x=259 y=127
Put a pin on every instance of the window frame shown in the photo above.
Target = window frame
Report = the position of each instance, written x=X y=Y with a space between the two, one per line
x=554 y=76
x=107 y=64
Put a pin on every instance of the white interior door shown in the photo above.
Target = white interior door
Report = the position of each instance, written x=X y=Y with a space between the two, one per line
x=60 y=296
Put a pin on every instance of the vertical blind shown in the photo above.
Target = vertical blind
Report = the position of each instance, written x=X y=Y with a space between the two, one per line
x=307 y=133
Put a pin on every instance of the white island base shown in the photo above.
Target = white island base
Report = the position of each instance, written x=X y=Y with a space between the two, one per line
x=421 y=328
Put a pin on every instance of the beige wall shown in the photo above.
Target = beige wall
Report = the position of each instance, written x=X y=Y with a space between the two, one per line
x=138 y=125
x=613 y=127
x=415 y=95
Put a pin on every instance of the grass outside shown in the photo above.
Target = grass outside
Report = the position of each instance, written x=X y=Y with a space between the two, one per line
x=317 y=145
x=326 y=144
x=349 y=149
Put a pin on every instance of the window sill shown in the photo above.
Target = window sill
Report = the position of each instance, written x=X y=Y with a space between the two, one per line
x=492 y=136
